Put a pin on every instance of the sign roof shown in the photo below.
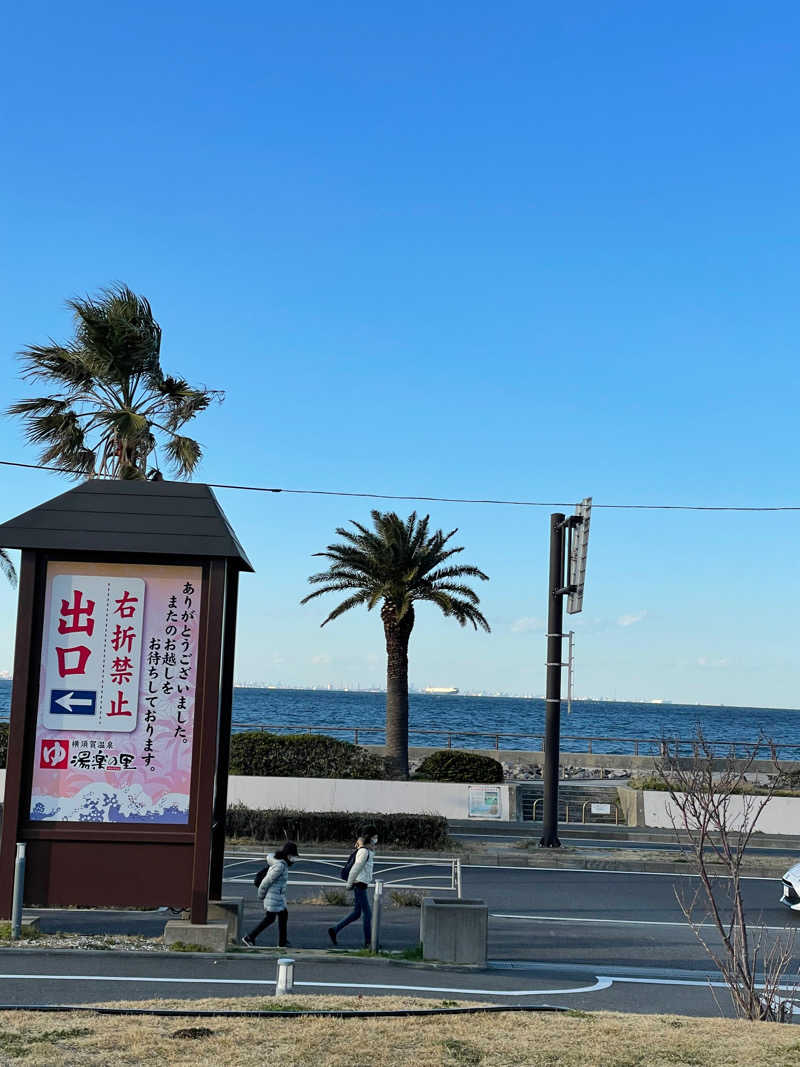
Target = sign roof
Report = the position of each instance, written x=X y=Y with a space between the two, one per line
x=139 y=517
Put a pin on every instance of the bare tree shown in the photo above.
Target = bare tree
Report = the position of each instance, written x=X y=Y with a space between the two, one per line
x=714 y=811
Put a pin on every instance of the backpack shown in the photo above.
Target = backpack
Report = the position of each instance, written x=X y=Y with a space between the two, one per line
x=344 y=874
x=260 y=876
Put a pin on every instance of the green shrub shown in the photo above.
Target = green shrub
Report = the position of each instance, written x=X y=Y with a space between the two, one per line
x=450 y=765
x=301 y=756
x=3 y=743
x=309 y=827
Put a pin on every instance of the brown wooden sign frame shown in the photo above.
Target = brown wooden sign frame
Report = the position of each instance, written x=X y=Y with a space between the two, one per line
x=112 y=864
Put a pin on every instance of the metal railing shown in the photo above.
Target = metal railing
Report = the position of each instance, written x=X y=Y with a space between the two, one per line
x=327 y=865
x=591 y=744
x=584 y=804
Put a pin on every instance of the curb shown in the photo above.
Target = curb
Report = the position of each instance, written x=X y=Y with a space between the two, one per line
x=570 y=861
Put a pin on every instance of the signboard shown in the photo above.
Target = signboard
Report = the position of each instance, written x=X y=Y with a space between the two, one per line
x=93 y=643
x=601 y=809
x=484 y=802
x=116 y=694
x=579 y=545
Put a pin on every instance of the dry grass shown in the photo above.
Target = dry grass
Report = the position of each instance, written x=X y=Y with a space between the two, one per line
x=572 y=1040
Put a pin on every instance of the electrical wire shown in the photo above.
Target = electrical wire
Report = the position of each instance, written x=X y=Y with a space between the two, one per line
x=456 y=499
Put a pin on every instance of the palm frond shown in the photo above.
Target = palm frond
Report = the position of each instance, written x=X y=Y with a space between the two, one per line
x=7 y=567
x=399 y=562
x=184 y=453
x=350 y=602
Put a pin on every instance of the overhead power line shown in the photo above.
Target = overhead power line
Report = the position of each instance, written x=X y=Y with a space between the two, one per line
x=454 y=499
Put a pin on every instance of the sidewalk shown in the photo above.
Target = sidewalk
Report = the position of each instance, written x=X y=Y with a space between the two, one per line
x=488 y=843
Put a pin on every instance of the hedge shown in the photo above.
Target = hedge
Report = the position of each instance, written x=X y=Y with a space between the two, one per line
x=309 y=827
x=451 y=765
x=301 y=756
x=3 y=743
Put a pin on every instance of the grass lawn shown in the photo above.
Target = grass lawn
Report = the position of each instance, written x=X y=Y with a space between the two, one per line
x=576 y=1039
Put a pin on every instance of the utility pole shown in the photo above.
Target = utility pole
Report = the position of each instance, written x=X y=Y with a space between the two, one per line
x=557 y=589
x=552 y=722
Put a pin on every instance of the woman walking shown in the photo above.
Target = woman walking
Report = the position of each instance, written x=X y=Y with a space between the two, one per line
x=273 y=892
x=358 y=880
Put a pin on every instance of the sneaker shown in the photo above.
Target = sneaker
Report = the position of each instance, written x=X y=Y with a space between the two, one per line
x=332 y=934
x=248 y=941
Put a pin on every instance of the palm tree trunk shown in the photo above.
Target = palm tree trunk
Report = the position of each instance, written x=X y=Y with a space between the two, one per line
x=397 y=632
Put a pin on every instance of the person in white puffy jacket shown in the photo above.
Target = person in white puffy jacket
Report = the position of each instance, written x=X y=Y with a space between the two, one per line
x=358 y=880
x=273 y=892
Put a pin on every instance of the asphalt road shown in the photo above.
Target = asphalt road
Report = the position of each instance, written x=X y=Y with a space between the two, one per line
x=582 y=939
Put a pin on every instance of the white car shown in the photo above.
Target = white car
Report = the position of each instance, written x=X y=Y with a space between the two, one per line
x=791 y=888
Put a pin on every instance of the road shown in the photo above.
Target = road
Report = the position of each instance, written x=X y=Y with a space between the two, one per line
x=582 y=939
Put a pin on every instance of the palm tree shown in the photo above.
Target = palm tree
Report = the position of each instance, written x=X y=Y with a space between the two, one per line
x=111 y=405
x=396 y=565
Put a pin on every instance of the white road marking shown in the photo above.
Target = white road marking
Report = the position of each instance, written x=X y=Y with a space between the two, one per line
x=602 y=982
x=688 y=982
x=616 y=922
x=597 y=985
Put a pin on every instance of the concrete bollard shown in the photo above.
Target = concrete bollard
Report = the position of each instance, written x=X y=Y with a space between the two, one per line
x=285 y=982
x=19 y=890
x=454 y=931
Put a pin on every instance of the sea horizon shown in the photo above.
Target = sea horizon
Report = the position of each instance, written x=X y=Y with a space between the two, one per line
x=431 y=694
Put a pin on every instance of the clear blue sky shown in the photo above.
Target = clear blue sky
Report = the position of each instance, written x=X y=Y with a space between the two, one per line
x=447 y=249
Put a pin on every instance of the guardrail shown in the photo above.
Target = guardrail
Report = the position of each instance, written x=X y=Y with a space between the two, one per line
x=330 y=864
x=583 y=805
x=588 y=743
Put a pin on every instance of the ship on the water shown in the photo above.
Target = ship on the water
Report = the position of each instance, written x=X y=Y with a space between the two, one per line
x=440 y=690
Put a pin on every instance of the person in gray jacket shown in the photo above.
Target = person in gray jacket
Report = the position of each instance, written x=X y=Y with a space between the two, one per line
x=273 y=892
x=358 y=880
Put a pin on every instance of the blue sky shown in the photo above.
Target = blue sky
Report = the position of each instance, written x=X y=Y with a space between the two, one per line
x=451 y=250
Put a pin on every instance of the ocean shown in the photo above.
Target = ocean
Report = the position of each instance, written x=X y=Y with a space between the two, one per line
x=298 y=708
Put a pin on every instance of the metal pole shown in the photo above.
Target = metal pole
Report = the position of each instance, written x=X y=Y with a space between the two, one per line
x=377 y=906
x=19 y=887
x=458 y=878
x=555 y=617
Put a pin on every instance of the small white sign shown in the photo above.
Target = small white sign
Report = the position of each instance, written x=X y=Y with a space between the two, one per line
x=92 y=654
x=601 y=809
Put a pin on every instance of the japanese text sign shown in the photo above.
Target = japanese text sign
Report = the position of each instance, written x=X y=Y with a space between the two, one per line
x=116 y=696
x=92 y=653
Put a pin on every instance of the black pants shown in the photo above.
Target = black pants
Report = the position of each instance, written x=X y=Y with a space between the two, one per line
x=268 y=920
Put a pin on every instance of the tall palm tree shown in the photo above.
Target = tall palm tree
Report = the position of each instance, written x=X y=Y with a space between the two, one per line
x=396 y=565
x=111 y=405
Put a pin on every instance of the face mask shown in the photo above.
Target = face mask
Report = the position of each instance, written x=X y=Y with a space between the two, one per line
x=374 y=841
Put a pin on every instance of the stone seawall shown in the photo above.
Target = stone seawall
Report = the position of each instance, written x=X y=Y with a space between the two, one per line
x=526 y=765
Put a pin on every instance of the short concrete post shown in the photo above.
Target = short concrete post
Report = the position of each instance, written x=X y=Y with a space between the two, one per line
x=285 y=982
x=458 y=879
x=19 y=889
x=454 y=931
x=377 y=908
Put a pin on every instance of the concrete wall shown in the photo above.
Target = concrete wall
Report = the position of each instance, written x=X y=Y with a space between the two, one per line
x=331 y=794
x=780 y=816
